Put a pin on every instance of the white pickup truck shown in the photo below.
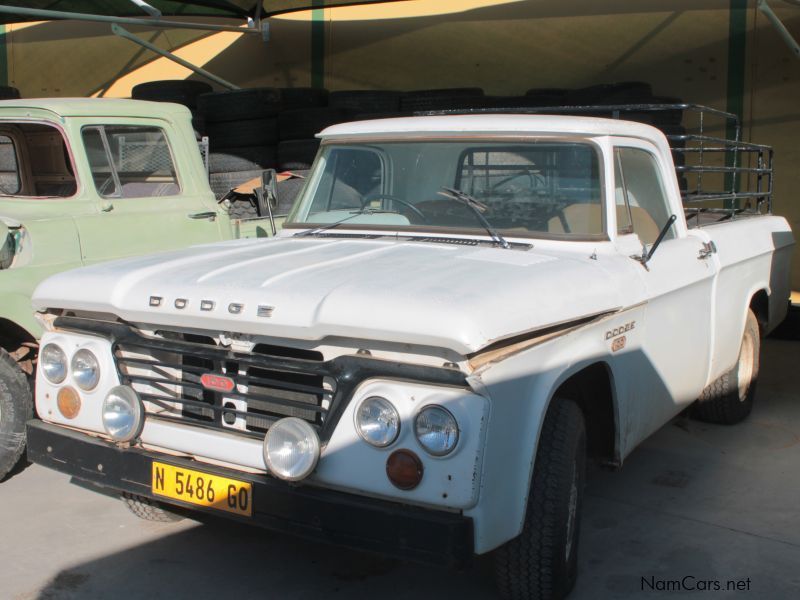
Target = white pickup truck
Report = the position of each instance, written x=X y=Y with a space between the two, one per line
x=459 y=311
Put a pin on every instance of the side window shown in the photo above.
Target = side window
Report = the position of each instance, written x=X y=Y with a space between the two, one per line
x=130 y=162
x=9 y=171
x=624 y=221
x=644 y=193
x=350 y=177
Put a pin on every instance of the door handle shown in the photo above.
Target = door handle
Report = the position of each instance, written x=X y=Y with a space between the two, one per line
x=707 y=250
x=210 y=215
x=107 y=207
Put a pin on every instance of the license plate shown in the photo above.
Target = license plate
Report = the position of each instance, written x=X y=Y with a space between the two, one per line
x=203 y=489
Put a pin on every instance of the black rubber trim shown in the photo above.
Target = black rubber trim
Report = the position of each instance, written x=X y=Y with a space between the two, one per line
x=348 y=371
x=379 y=526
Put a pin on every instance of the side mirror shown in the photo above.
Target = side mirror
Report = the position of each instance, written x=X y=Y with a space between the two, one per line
x=267 y=196
x=269 y=183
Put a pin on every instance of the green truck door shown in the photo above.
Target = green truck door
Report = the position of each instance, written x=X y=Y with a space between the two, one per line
x=143 y=201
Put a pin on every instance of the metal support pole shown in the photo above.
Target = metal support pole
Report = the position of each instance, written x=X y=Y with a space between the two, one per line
x=150 y=10
x=46 y=15
x=767 y=11
x=123 y=33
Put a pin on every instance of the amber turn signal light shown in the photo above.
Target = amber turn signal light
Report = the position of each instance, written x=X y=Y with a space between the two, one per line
x=404 y=469
x=69 y=402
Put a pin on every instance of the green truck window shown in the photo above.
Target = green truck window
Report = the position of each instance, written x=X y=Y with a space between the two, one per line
x=130 y=162
x=9 y=173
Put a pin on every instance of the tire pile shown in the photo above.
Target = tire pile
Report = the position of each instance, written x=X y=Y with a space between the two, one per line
x=250 y=130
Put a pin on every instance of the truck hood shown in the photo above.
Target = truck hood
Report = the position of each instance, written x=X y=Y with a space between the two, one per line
x=442 y=295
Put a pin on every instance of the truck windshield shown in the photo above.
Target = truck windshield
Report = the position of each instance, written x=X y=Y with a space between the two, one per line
x=532 y=188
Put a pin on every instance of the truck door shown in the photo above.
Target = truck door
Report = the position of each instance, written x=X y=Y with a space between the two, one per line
x=679 y=288
x=143 y=205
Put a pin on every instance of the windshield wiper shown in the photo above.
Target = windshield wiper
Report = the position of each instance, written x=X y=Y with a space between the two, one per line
x=361 y=211
x=476 y=207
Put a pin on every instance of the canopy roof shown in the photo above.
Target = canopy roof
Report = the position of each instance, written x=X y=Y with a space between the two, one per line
x=236 y=9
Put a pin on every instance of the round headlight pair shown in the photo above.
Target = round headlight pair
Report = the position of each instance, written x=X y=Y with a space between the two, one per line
x=378 y=423
x=85 y=366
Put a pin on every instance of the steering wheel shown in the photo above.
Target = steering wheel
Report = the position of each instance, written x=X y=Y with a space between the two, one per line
x=533 y=179
x=370 y=197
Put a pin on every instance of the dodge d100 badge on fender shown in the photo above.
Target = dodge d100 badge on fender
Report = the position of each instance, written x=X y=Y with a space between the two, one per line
x=459 y=311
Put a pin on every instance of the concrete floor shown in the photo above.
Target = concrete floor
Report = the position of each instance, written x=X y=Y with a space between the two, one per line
x=709 y=502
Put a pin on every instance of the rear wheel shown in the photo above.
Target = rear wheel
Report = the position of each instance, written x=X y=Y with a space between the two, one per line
x=16 y=408
x=729 y=399
x=542 y=563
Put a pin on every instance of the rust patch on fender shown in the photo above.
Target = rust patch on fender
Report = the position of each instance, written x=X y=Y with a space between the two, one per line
x=504 y=348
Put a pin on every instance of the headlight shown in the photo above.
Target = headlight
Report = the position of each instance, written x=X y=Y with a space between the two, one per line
x=54 y=363
x=123 y=414
x=85 y=369
x=436 y=430
x=377 y=421
x=291 y=449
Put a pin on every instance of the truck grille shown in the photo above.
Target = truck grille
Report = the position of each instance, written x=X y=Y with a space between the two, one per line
x=257 y=388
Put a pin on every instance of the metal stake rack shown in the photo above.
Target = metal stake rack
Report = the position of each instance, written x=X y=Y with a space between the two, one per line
x=720 y=178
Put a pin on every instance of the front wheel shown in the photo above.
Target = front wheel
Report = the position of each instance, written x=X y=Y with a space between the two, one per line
x=16 y=408
x=729 y=399
x=542 y=562
x=150 y=510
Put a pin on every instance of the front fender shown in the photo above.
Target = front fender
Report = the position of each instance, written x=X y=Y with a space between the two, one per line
x=521 y=388
x=16 y=308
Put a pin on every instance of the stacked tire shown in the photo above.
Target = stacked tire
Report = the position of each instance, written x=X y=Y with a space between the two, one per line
x=8 y=92
x=179 y=91
x=298 y=127
x=242 y=130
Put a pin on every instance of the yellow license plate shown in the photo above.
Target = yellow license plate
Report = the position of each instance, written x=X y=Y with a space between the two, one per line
x=203 y=489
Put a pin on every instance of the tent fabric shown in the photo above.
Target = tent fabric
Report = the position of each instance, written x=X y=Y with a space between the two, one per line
x=237 y=9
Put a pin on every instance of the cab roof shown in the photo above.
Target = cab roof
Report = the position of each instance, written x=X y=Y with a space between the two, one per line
x=95 y=107
x=492 y=123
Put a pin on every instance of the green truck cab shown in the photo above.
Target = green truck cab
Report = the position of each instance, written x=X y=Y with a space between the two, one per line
x=84 y=181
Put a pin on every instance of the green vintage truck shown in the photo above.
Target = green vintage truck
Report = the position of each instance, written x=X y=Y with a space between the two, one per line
x=84 y=181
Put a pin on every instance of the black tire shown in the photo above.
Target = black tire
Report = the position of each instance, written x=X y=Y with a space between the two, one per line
x=237 y=134
x=287 y=192
x=366 y=101
x=254 y=103
x=243 y=207
x=510 y=102
x=452 y=99
x=667 y=117
x=628 y=92
x=305 y=123
x=179 y=91
x=547 y=96
x=542 y=562
x=303 y=97
x=8 y=92
x=16 y=409
x=728 y=400
x=150 y=510
x=250 y=158
x=297 y=155
x=222 y=183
